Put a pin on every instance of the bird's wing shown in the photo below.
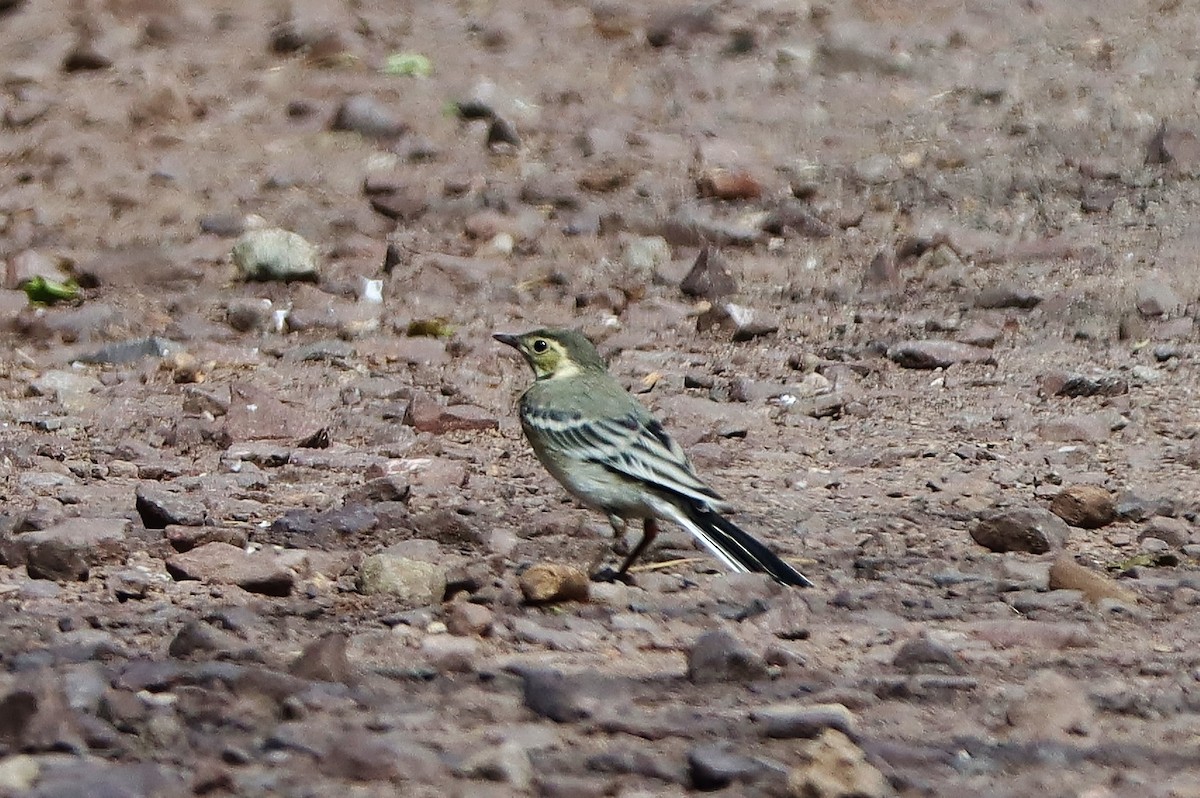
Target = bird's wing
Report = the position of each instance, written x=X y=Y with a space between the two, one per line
x=633 y=444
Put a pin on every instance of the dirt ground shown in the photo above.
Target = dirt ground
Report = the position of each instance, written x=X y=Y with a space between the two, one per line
x=271 y=538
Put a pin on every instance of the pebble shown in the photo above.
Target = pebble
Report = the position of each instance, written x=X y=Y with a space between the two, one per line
x=931 y=354
x=561 y=698
x=1032 y=530
x=66 y=551
x=1076 y=385
x=800 y=720
x=724 y=184
x=451 y=653
x=275 y=254
x=160 y=507
x=223 y=564
x=553 y=582
x=922 y=655
x=719 y=657
x=645 y=254
x=324 y=660
x=18 y=772
x=740 y=322
x=713 y=766
x=1155 y=297
x=1085 y=506
x=412 y=583
x=709 y=277
x=834 y=767
x=368 y=116
x=426 y=415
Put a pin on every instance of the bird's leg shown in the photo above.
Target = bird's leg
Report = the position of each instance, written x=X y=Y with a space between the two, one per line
x=649 y=533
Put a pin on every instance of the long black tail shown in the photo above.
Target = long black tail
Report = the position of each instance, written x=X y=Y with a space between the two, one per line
x=740 y=547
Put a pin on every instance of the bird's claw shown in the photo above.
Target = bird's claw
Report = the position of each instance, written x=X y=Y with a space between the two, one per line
x=609 y=574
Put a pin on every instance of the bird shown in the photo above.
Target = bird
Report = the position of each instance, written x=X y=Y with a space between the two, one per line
x=612 y=455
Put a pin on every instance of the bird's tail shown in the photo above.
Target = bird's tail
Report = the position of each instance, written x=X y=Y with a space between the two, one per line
x=734 y=546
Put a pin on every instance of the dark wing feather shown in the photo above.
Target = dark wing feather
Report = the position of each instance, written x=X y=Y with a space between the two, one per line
x=635 y=447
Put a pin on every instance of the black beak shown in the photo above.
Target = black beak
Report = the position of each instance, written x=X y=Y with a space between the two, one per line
x=511 y=340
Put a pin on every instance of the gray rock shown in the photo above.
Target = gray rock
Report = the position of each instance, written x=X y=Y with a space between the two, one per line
x=451 y=653
x=1155 y=297
x=324 y=660
x=131 y=351
x=559 y=697
x=411 y=582
x=718 y=656
x=795 y=720
x=709 y=277
x=248 y=315
x=644 y=254
x=714 y=767
x=367 y=116
x=507 y=763
x=38 y=717
x=922 y=655
x=931 y=354
x=73 y=391
x=1032 y=530
x=275 y=254
x=160 y=507
x=66 y=551
x=223 y=564
x=740 y=322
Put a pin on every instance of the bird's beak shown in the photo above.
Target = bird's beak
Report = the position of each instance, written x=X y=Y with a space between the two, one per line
x=511 y=340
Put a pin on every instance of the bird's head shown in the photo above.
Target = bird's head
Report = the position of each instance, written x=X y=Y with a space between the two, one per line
x=554 y=353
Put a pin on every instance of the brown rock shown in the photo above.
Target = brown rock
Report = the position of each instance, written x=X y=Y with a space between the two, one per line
x=223 y=564
x=742 y=323
x=465 y=618
x=834 y=767
x=256 y=413
x=426 y=415
x=726 y=185
x=549 y=581
x=323 y=660
x=35 y=716
x=1066 y=574
x=718 y=656
x=1085 y=506
x=66 y=551
x=1031 y=530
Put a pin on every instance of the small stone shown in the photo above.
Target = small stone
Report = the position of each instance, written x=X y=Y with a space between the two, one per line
x=1066 y=574
x=923 y=655
x=1156 y=298
x=131 y=351
x=1085 y=506
x=411 y=582
x=1032 y=530
x=466 y=618
x=559 y=697
x=18 y=772
x=502 y=132
x=724 y=184
x=66 y=551
x=1175 y=532
x=426 y=415
x=931 y=354
x=645 y=254
x=551 y=582
x=718 y=656
x=709 y=277
x=792 y=217
x=1076 y=385
x=74 y=392
x=367 y=116
x=199 y=636
x=249 y=315
x=980 y=334
x=742 y=323
x=223 y=564
x=834 y=767
x=450 y=653
x=1008 y=295
x=789 y=721
x=160 y=508
x=324 y=660
x=275 y=254
x=713 y=767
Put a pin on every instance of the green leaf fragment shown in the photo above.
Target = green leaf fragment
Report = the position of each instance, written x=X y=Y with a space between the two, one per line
x=44 y=291
x=409 y=65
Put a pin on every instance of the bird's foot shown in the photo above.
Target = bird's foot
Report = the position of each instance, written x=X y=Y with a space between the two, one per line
x=610 y=574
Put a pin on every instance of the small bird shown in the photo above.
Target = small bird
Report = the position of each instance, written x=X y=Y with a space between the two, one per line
x=613 y=456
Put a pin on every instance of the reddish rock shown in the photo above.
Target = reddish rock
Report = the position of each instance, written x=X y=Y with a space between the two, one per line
x=426 y=415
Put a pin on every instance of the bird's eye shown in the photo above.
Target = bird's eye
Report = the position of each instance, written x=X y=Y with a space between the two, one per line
x=540 y=345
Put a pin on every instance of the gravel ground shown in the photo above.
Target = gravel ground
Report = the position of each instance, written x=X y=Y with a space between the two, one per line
x=914 y=286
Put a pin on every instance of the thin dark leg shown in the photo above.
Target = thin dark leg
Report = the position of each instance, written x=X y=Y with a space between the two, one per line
x=649 y=533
